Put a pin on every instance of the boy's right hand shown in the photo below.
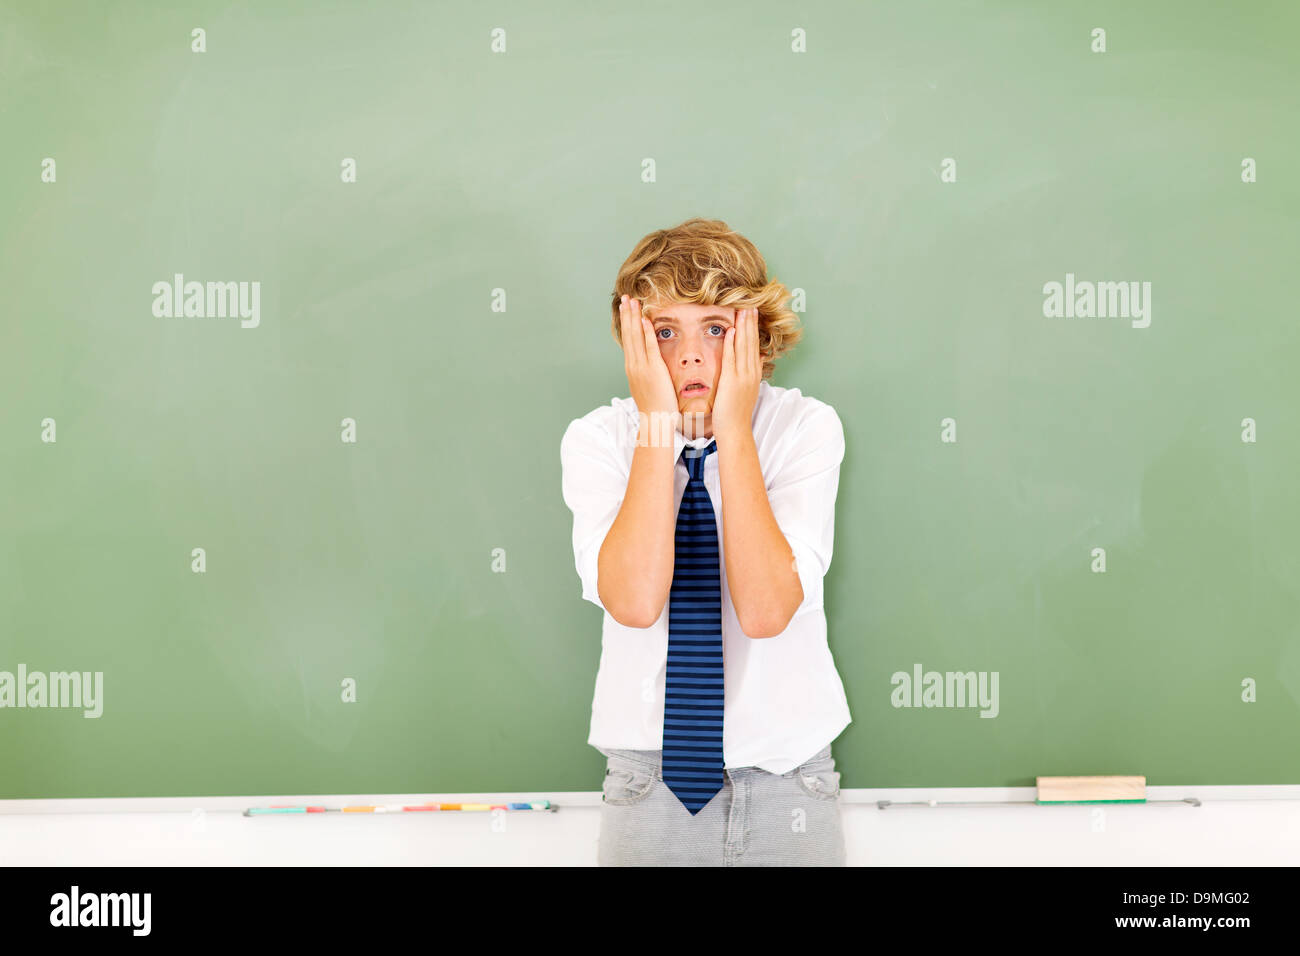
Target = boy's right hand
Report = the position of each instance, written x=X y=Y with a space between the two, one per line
x=647 y=375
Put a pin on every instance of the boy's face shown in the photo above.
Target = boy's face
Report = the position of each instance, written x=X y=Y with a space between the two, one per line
x=690 y=338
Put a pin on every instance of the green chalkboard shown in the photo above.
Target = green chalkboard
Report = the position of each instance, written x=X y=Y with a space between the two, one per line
x=920 y=174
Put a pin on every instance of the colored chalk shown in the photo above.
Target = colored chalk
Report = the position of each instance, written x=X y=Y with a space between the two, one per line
x=399 y=808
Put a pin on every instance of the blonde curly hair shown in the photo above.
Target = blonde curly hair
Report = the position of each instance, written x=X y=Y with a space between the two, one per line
x=707 y=262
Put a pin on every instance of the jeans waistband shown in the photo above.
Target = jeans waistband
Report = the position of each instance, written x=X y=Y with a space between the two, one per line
x=652 y=760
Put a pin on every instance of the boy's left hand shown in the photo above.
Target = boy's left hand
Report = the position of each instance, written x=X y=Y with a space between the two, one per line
x=742 y=370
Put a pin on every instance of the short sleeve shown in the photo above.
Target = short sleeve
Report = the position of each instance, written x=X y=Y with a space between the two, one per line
x=802 y=496
x=594 y=482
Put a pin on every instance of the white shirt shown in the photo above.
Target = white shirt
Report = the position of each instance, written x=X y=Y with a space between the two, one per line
x=783 y=698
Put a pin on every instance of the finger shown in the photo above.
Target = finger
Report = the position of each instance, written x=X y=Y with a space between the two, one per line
x=648 y=335
x=742 y=344
x=751 y=352
x=625 y=329
x=631 y=314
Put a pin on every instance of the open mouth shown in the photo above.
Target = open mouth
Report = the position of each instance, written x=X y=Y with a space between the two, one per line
x=695 y=388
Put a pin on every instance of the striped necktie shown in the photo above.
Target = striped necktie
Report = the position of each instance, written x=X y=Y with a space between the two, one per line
x=692 y=743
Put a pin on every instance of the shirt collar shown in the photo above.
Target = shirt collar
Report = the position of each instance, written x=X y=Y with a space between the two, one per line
x=680 y=441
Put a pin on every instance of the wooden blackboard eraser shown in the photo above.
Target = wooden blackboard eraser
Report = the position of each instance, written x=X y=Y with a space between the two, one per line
x=1092 y=790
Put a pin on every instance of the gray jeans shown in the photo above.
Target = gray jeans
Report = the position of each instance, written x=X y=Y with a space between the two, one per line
x=756 y=819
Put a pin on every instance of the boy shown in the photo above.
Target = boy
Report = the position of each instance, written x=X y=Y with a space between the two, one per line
x=703 y=522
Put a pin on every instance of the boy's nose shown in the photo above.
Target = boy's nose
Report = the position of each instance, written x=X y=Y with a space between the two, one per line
x=692 y=352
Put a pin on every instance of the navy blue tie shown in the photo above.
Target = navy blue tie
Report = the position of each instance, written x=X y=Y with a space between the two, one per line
x=692 y=747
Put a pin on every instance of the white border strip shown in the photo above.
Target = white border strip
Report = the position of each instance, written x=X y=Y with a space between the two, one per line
x=992 y=796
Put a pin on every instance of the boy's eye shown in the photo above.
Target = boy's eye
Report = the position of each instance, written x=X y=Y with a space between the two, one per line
x=722 y=331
